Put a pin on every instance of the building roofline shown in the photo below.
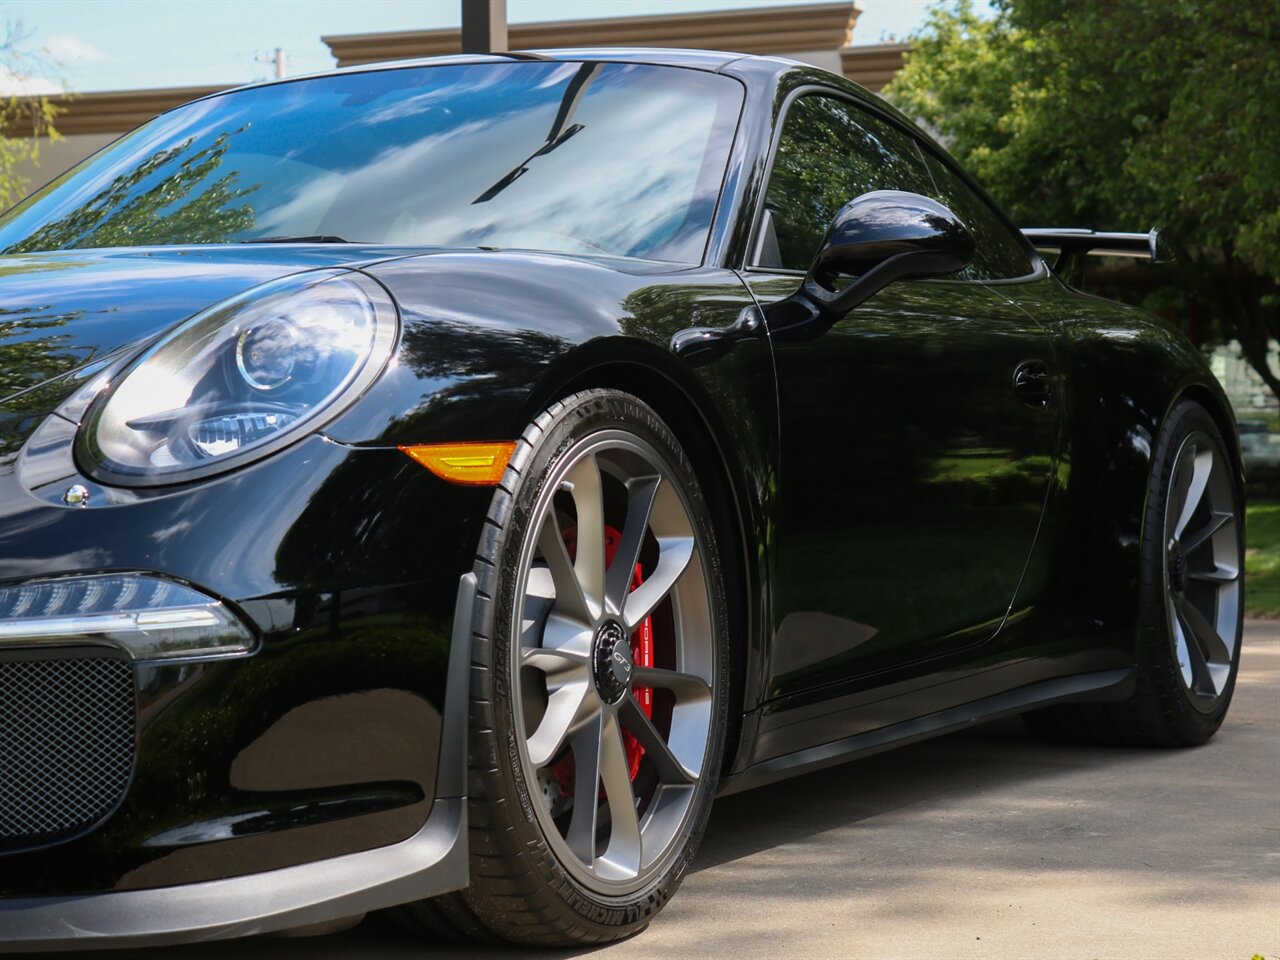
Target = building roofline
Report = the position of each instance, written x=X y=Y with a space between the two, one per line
x=762 y=30
x=873 y=66
x=689 y=39
x=116 y=111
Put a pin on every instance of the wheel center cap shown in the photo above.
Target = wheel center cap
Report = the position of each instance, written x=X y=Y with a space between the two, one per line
x=1177 y=568
x=612 y=662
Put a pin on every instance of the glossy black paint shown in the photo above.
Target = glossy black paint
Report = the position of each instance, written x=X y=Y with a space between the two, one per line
x=880 y=238
x=906 y=531
x=341 y=550
x=912 y=481
x=325 y=722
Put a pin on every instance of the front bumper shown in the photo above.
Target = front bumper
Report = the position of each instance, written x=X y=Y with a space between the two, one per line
x=320 y=774
x=433 y=861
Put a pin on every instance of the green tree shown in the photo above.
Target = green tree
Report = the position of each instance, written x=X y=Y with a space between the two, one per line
x=23 y=120
x=1120 y=114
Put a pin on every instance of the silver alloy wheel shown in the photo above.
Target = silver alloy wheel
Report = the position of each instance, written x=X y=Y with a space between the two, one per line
x=574 y=685
x=1202 y=568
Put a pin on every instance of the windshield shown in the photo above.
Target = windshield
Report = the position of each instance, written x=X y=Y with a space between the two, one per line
x=595 y=158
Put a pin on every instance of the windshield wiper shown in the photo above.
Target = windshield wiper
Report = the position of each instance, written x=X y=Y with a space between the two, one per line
x=561 y=129
x=319 y=238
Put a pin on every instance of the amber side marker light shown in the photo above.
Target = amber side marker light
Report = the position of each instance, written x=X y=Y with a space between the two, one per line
x=468 y=464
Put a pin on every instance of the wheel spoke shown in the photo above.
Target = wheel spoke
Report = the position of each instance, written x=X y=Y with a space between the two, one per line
x=565 y=635
x=539 y=590
x=673 y=560
x=581 y=836
x=565 y=651
x=531 y=627
x=621 y=859
x=588 y=564
x=1201 y=467
x=568 y=707
x=539 y=598
x=556 y=663
x=1201 y=680
x=668 y=766
x=569 y=598
x=1215 y=648
x=1193 y=541
x=1181 y=644
x=640 y=497
x=686 y=687
x=1219 y=574
x=1180 y=486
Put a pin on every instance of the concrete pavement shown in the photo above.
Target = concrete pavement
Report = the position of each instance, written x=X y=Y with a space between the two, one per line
x=985 y=844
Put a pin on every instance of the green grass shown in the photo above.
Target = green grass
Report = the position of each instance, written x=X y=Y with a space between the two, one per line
x=1262 y=559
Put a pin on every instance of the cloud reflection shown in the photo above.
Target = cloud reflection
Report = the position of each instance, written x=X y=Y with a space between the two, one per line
x=398 y=156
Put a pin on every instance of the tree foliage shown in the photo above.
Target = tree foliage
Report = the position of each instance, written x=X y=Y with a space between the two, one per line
x=1120 y=114
x=23 y=120
x=174 y=196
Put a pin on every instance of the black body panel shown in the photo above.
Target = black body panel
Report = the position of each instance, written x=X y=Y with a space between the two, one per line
x=345 y=553
x=911 y=540
x=905 y=415
x=325 y=722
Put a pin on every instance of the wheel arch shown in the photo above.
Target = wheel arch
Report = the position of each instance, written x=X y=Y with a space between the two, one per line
x=660 y=381
x=1217 y=406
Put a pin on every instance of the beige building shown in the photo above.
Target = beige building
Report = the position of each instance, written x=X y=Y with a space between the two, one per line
x=817 y=33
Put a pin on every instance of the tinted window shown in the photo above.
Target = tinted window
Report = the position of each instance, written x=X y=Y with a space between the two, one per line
x=827 y=155
x=999 y=254
x=830 y=152
x=619 y=159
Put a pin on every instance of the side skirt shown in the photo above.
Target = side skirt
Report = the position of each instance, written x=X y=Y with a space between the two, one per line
x=1104 y=685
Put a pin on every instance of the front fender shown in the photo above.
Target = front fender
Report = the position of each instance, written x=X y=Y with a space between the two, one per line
x=489 y=340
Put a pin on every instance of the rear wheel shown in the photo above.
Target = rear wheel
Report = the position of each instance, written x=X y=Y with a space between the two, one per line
x=1192 y=596
x=599 y=665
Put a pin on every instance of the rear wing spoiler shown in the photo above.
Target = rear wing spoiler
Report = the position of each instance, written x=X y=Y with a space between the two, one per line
x=1067 y=242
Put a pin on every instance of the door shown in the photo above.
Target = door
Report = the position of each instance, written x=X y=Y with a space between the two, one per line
x=917 y=435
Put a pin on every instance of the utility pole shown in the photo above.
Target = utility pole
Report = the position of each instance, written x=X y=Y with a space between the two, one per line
x=484 y=26
x=277 y=59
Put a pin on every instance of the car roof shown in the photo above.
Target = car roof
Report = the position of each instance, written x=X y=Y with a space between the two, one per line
x=711 y=61
x=662 y=56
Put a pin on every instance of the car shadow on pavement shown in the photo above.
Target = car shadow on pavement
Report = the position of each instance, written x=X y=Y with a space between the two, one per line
x=983 y=759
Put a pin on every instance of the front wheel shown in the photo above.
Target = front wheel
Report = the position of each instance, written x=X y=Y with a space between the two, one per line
x=599 y=667
x=1192 y=599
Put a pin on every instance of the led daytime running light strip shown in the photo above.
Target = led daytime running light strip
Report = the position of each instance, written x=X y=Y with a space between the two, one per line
x=148 y=617
x=42 y=628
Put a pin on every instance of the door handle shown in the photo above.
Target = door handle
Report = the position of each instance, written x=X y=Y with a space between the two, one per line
x=1031 y=383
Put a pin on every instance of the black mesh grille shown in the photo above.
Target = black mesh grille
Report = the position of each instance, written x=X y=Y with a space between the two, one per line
x=66 y=744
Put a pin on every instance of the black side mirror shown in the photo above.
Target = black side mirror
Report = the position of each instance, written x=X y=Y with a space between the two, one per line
x=881 y=237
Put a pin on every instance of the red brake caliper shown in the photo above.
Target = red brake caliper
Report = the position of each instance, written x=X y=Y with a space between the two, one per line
x=641 y=656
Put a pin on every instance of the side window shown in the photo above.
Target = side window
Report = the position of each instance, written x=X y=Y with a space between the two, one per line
x=831 y=151
x=998 y=254
x=827 y=155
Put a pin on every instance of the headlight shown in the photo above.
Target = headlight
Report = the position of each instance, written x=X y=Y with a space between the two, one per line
x=240 y=380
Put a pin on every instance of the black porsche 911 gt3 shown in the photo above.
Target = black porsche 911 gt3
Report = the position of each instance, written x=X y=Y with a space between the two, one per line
x=428 y=485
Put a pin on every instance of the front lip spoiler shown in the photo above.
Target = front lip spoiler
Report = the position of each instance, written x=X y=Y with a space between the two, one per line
x=435 y=860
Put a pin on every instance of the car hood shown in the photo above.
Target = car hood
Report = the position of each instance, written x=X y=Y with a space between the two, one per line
x=63 y=312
